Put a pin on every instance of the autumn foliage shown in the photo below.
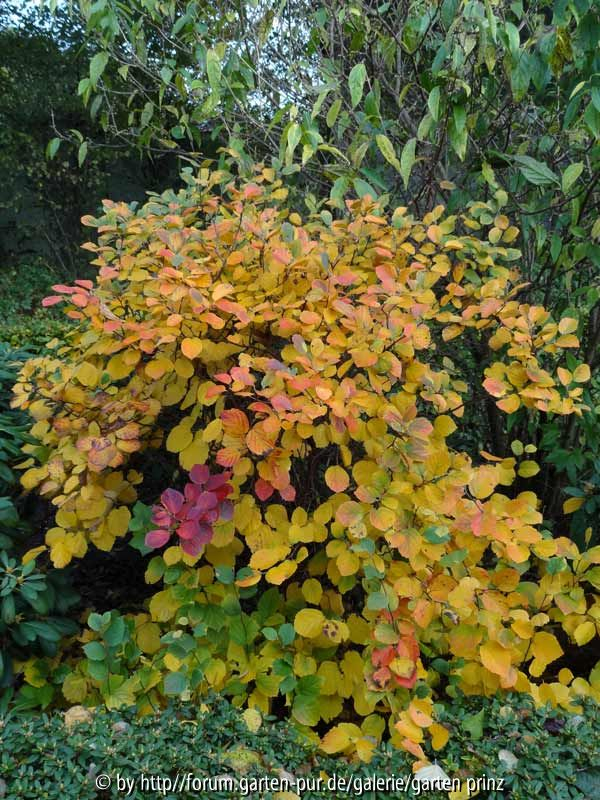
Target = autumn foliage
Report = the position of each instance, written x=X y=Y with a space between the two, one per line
x=337 y=550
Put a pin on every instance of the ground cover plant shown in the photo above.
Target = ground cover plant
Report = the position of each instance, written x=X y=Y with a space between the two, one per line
x=327 y=549
x=530 y=749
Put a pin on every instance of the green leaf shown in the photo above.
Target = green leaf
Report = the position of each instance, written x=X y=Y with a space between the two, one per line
x=115 y=632
x=407 y=160
x=97 y=67
x=356 y=83
x=460 y=117
x=213 y=69
x=82 y=153
x=175 y=683
x=387 y=150
x=52 y=147
x=455 y=557
x=437 y=534
x=535 y=172
x=294 y=135
x=333 y=112
x=512 y=35
x=376 y=601
x=433 y=103
x=166 y=73
x=473 y=725
x=570 y=175
x=94 y=651
x=363 y=188
x=319 y=103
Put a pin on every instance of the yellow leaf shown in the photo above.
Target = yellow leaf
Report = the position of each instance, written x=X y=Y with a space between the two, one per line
x=337 y=479
x=60 y=554
x=527 y=469
x=253 y=719
x=118 y=521
x=148 y=637
x=312 y=591
x=567 y=325
x=348 y=563
x=439 y=735
x=545 y=647
x=277 y=575
x=339 y=738
x=265 y=558
x=497 y=659
x=483 y=482
x=582 y=374
x=309 y=622
x=74 y=687
x=509 y=404
x=33 y=553
x=87 y=374
x=180 y=437
x=584 y=633
x=572 y=504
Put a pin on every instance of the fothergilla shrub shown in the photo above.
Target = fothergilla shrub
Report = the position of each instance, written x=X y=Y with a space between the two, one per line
x=369 y=563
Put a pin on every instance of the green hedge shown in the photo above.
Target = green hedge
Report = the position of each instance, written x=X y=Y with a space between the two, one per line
x=557 y=754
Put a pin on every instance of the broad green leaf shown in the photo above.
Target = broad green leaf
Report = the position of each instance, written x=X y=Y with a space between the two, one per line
x=512 y=35
x=473 y=724
x=387 y=150
x=97 y=67
x=535 y=172
x=407 y=160
x=460 y=117
x=356 y=83
x=175 y=683
x=294 y=135
x=363 y=188
x=213 y=69
x=94 y=651
x=570 y=175
x=433 y=103
x=52 y=147
x=333 y=112
x=82 y=153
x=319 y=103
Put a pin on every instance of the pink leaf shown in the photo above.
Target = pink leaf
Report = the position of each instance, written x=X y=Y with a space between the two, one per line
x=157 y=538
x=188 y=530
x=263 y=489
x=172 y=500
x=52 y=300
x=200 y=473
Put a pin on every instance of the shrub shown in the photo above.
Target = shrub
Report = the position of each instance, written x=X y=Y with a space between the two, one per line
x=32 y=600
x=14 y=424
x=368 y=563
